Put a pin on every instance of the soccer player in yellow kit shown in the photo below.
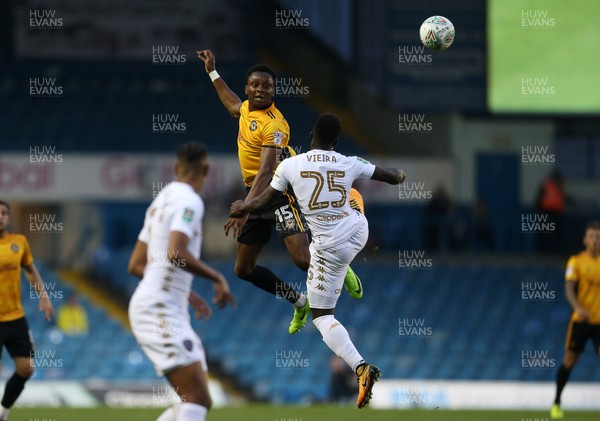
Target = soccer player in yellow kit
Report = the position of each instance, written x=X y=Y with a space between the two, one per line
x=583 y=293
x=15 y=335
x=262 y=143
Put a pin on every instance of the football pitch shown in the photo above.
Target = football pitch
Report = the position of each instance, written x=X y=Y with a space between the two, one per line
x=293 y=413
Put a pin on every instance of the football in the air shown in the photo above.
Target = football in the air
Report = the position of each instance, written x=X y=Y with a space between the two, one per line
x=437 y=33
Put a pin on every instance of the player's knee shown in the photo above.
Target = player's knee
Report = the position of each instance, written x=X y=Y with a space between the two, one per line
x=570 y=360
x=200 y=398
x=243 y=271
x=25 y=370
x=207 y=402
x=303 y=262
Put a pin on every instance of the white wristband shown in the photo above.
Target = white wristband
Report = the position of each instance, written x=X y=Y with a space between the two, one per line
x=213 y=75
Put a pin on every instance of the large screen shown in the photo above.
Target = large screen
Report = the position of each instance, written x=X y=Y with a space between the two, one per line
x=544 y=56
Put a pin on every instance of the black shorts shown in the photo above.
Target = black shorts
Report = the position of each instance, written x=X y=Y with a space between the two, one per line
x=579 y=333
x=284 y=214
x=16 y=337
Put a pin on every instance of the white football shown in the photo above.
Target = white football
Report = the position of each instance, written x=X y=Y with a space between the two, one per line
x=437 y=33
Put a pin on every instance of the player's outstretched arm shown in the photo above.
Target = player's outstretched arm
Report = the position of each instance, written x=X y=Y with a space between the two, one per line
x=241 y=208
x=137 y=260
x=230 y=100
x=179 y=255
x=388 y=175
x=35 y=279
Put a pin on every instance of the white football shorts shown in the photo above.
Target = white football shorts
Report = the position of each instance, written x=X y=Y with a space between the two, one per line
x=328 y=267
x=165 y=334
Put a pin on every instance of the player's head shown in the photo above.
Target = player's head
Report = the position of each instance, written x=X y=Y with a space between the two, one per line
x=260 y=85
x=4 y=215
x=191 y=165
x=325 y=132
x=591 y=238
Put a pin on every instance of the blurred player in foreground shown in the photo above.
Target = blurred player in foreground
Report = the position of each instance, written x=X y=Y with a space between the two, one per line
x=582 y=289
x=166 y=257
x=322 y=179
x=262 y=142
x=14 y=330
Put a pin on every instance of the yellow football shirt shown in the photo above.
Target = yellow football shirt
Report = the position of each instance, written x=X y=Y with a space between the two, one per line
x=260 y=129
x=14 y=254
x=584 y=270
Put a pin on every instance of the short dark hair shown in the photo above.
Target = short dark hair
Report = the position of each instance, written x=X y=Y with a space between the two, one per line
x=191 y=153
x=260 y=67
x=327 y=129
x=2 y=202
x=594 y=225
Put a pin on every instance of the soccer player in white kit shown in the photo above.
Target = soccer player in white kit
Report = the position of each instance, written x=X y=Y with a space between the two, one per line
x=166 y=257
x=322 y=179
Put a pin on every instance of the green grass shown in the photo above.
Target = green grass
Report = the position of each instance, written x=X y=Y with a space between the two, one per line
x=292 y=413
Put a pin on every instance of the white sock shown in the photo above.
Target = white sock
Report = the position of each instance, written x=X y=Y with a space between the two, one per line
x=170 y=414
x=191 y=412
x=300 y=302
x=4 y=413
x=337 y=339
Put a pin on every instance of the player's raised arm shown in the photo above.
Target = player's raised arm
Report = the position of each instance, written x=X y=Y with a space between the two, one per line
x=230 y=100
x=388 y=175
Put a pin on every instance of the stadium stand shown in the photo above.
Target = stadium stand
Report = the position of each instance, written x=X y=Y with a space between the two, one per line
x=480 y=325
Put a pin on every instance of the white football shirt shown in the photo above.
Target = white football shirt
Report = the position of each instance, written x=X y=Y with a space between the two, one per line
x=321 y=181
x=176 y=208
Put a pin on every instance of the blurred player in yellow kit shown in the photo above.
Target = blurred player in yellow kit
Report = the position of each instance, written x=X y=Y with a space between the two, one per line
x=15 y=335
x=583 y=293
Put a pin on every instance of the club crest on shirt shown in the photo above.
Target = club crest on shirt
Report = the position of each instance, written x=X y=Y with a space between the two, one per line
x=14 y=248
x=253 y=125
x=188 y=214
x=278 y=137
x=188 y=344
